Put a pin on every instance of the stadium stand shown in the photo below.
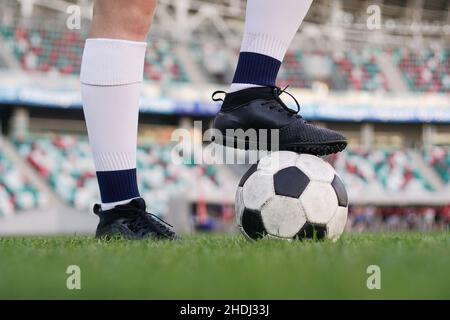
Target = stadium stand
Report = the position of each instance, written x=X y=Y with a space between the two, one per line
x=16 y=193
x=2 y=63
x=439 y=159
x=48 y=50
x=213 y=61
x=394 y=171
x=425 y=70
x=65 y=162
x=355 y=169
x=162 y=64
x=293 y=72
x=44 y=50
x=360 y=70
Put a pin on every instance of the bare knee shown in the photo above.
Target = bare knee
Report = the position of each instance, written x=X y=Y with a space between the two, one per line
x=122 y=19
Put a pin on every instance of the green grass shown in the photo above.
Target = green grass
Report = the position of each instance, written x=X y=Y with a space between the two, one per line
x=225 y=267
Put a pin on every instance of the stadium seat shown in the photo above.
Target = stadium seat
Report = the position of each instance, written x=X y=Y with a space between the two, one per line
x=439 y=159
x=425 y=70
x=16 y=192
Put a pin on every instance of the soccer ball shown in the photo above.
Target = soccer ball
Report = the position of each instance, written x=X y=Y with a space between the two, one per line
x=291 y=196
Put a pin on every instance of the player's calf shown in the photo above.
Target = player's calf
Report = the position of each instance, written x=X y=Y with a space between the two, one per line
x=125 y=20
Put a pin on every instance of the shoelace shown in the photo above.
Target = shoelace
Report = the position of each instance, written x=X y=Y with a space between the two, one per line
x=277 y=92
x=162 y=225
x=217 y=92
x=156 y=221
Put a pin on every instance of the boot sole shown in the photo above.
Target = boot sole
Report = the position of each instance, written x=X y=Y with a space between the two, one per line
x=318 y=149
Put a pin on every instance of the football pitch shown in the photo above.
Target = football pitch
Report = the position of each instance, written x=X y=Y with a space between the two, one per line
x=411 y=265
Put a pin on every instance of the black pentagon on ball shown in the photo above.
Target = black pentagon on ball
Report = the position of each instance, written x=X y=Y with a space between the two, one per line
x=247 y=175
x=252 y=224
x=341 y=193
x=311 y=231
x=290 y=182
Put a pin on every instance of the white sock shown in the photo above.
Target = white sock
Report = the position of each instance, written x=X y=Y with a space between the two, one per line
x=110 y=205
x=111 y=77
x=241 y=86
x=270 y=26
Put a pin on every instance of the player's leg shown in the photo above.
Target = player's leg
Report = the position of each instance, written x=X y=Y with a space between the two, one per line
x=124 y=20
x=253 y=101
x=269 y=30
x=111 y=76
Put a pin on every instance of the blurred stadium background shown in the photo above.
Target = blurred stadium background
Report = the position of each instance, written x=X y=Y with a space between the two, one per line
x=387 y=89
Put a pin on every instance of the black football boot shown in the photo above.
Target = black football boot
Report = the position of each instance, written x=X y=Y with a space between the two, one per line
x=261 y=108
x=132 y=221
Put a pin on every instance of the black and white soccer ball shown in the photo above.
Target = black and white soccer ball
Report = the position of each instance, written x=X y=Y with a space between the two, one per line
x=291 y=196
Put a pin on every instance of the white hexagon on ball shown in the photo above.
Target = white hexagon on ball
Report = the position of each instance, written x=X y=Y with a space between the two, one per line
x=276 y=161
x=283 y=216
x=315 y=168
x=319 y=201
x=239 y=205
x=336 y=225
x=257 y=190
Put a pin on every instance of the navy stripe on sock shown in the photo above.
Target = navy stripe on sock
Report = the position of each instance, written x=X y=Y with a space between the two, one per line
x=117 y=185
x=256 y=68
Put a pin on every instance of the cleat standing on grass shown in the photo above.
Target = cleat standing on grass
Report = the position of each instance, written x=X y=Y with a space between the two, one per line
x=131 y=221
